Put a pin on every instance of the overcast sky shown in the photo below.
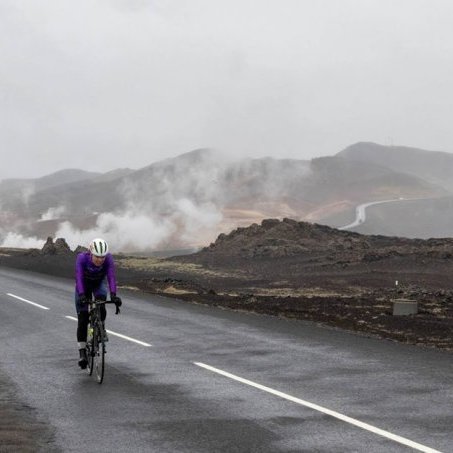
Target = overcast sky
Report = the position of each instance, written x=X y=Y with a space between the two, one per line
x=105 y=84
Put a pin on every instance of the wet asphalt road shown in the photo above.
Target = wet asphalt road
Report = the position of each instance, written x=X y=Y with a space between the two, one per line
x=157 y=399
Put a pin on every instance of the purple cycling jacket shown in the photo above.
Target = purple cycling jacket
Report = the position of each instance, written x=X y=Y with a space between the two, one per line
x=93 y=275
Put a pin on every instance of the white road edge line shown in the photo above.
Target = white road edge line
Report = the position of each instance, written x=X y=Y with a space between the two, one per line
x=324 y=410
x=28 y=301
x=124 y=337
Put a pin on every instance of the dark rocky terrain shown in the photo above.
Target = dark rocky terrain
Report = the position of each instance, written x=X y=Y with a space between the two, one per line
x=297 y=270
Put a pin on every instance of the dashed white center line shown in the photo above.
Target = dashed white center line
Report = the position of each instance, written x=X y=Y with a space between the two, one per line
x=128 y=338
x=345 y=418
x=116 y=334
x=28 y=301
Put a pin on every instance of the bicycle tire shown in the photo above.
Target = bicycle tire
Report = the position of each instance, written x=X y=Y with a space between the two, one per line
x=99 y=356
x=91 y=350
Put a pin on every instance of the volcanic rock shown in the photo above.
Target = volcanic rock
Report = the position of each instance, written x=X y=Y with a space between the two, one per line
x=60 y=247
x=80 y=249
x=49 y=247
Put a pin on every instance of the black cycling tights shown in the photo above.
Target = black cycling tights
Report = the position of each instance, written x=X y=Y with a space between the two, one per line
x=82 y=324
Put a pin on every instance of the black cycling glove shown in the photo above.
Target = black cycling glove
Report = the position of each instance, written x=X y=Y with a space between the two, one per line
x=116 y=300
x=83 y=299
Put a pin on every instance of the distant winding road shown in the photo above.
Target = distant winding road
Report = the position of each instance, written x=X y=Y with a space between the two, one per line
x=182 y=377
x=360 y=211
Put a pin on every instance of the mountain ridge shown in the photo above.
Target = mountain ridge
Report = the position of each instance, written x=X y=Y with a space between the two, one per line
x=433 y=166
x=184 y=201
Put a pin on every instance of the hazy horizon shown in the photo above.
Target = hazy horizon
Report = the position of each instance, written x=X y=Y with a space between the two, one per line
x=125 y=83
x=222 y=155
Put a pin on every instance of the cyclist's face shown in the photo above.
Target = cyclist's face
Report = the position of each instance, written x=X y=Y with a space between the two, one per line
x=97 y=260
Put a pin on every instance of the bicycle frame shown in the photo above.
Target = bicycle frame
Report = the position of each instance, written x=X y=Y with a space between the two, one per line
x=96 y=346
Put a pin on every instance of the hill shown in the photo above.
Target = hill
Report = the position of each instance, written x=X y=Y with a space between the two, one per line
x=435 y=167
x=264 y=248
x=183 y=202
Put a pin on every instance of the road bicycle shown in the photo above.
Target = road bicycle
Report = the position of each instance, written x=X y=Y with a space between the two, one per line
x=96 y=339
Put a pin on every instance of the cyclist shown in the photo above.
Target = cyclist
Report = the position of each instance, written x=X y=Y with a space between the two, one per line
x=93 y=269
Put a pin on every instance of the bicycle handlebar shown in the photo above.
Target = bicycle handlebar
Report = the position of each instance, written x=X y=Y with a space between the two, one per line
x=103 y=302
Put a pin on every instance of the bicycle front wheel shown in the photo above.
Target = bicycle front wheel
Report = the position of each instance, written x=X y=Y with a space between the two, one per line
x=99 y=355
x=91 y=351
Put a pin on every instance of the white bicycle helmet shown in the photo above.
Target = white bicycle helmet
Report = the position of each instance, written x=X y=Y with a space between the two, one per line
x=98 y=247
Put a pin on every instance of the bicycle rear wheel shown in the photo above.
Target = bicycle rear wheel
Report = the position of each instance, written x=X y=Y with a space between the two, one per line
x=99 y=353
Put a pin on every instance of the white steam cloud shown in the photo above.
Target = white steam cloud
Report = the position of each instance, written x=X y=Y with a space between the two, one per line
x=127 y=231
x=197 y=219
x=27 y=191
x=53 y=213
x=132 y=231
x=178 y=203
x=15 y=240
